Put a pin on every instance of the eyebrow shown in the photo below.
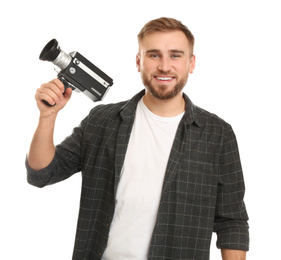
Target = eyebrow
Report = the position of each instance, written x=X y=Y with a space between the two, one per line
x=152 y=51
x=157 y=51
x=177 y=51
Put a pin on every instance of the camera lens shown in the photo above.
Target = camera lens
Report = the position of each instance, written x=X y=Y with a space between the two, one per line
x=53 y=53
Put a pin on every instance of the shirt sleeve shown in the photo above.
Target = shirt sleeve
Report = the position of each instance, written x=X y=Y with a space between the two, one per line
x=66 y=162
x=231 y=219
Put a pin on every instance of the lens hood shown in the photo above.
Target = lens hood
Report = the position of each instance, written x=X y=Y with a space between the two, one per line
x=50 y=51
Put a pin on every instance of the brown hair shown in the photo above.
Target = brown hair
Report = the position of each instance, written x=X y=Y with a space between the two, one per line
x=165 y=24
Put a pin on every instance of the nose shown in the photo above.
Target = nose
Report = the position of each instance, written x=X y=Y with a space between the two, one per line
x=164 y=65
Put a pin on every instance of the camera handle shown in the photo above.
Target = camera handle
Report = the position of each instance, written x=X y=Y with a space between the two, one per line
x=46 y=103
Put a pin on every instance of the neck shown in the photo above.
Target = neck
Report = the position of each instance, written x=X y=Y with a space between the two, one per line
x=165 y=108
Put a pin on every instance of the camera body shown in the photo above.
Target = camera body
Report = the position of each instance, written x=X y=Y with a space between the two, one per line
x=81 y=74
x=77 y=72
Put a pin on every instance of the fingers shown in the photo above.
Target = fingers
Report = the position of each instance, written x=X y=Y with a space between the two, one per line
x=52 y=92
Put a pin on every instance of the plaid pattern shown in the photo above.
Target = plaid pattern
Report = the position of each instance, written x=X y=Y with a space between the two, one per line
x=203 y=188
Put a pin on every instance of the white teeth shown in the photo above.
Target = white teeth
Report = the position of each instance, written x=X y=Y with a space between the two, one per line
x=164 y=78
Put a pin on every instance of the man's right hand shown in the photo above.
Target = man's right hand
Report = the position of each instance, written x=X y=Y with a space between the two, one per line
x=54 y=93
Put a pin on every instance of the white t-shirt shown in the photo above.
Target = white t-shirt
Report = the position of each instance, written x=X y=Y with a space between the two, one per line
x=139 y=190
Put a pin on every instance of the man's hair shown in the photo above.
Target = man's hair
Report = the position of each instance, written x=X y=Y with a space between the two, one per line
x=165 y=24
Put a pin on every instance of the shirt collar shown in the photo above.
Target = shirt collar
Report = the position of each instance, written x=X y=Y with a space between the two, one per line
x=191 y=112
x=129 y=109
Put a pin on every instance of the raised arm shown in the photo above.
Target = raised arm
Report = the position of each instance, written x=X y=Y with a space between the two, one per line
x=42 y=149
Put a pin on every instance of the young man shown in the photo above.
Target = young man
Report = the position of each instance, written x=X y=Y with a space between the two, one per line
x=159 y=173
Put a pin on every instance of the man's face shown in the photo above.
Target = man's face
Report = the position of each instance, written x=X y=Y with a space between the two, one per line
x=164 y=63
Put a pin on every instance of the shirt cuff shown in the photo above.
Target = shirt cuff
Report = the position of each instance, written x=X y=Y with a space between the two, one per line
x=39 y=178
x=233 y=238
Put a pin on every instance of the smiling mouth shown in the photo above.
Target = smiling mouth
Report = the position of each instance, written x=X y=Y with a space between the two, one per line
x=163 y=78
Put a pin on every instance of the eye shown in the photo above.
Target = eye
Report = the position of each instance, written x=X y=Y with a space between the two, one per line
x=154 y=56
x=175 y=56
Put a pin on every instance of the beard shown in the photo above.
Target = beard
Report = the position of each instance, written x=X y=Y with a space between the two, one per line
x=161 y=91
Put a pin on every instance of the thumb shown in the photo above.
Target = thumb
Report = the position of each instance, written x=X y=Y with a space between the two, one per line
x=68 y=93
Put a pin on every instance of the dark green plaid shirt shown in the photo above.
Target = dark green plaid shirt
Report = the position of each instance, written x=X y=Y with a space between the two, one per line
x=203 y=188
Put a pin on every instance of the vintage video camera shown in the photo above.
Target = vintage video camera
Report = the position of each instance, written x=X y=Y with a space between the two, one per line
x=77 y=72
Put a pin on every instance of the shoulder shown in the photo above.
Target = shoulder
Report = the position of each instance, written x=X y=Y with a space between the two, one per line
x=206 y=117
x=202 y=117
x=123 y=109
x=211 y=122
x=102 y=116
x=107 y=110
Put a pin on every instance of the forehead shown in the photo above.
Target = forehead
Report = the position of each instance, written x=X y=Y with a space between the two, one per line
x=164 y=41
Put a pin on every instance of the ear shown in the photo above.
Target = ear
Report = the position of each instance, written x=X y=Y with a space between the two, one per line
x=192 y=64
x=138 y=62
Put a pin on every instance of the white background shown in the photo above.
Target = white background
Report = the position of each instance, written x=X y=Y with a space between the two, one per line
x=237 y=76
